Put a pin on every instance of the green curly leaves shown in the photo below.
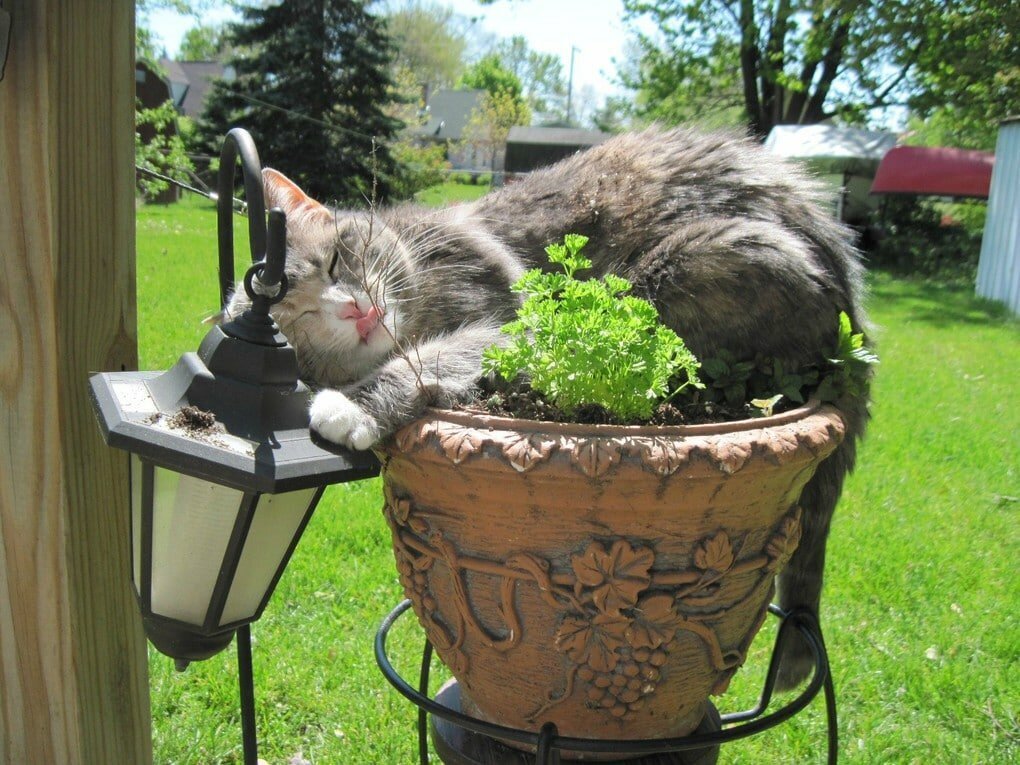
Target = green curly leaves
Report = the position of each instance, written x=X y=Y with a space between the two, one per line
x=590 y=342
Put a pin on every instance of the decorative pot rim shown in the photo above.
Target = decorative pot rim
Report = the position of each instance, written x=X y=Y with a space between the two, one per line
x=477 y=419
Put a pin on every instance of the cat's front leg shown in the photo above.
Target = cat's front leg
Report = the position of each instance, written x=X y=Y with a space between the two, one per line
x=442 y=371
x=338 y=419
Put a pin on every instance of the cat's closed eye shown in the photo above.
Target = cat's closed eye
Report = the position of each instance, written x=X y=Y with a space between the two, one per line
x=334 y=265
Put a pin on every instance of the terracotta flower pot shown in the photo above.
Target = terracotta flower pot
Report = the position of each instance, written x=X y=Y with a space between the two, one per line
x=608 y=579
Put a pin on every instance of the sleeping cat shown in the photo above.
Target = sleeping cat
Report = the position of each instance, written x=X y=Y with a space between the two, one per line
x=389 y=310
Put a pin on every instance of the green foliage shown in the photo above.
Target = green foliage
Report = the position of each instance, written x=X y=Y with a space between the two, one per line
x=930 y=239
x=159 y=147
x=848 y=370
x=431 y=41
x=764 y=381
x=969 y=72
x=589 y=342
x=313 y=78
x=726 y=379
x=676 y=86
x=800 y=61
x=489 y=125
x=489 y=74
x=543 y=85
x=204 y=42
x=419 y=167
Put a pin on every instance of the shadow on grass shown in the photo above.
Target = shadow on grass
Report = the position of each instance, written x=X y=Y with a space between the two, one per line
x=934 y=303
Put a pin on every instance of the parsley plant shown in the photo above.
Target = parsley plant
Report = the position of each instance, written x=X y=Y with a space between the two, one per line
x=590 y=342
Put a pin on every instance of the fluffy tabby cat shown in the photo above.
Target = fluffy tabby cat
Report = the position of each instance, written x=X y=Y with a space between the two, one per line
x=389 y=311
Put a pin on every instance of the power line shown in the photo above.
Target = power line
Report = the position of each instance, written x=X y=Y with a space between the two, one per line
x=305 y=117
x=240 y=206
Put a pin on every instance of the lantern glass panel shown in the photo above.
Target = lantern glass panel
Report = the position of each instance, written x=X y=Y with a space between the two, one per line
x=272 y=531
x=136 y=522
x=192 y=524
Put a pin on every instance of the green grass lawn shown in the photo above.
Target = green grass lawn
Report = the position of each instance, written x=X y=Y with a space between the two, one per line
x=922 y=597
x=448 y=193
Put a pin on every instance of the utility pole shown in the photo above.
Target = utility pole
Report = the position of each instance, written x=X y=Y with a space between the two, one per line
x=570 y=83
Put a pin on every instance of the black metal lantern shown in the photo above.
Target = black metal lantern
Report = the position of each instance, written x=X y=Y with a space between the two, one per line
x=224 y=472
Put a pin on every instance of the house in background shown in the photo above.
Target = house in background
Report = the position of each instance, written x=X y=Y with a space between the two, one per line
x=529 y=148
x=190 y=82
x=447 y=114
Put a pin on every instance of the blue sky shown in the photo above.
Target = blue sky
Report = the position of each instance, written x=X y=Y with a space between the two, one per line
x=550 y=26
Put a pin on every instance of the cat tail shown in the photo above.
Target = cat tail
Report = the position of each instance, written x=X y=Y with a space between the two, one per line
x=800 y=583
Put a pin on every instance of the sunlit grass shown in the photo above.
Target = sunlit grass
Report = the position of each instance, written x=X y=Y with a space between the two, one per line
x=451 y=193
x=922 y=595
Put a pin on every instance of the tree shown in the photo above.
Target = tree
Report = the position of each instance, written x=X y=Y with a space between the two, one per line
x=431 y=42
x=540 y=75
x=145 y=44
x=205 y=42
x=159 y=147
x=968 y=74
x=614 y=116
x=675 y=88
x=312 y=81
x=503 y=106
x=798 y=61
x=489 y=74
x=489 y=125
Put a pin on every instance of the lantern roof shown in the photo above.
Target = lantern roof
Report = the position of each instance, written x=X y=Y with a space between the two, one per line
x=222 y=425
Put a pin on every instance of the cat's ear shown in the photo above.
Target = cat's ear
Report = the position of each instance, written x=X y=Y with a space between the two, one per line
x=282 y=192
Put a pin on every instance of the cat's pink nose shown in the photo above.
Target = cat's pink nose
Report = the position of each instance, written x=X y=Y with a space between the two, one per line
x=349 y=310
x=368 y=322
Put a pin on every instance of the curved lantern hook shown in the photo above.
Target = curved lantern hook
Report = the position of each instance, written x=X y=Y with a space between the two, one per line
x=238 y=144
x=265 y=282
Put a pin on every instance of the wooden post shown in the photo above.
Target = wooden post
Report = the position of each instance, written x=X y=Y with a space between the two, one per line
x=73 y=683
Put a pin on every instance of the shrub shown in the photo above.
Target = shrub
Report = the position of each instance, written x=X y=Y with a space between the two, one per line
x=929 y=239
x=590 y=343
x=418 y=167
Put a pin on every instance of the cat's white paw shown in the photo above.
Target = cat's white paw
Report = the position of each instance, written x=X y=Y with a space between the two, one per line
x=338 y=419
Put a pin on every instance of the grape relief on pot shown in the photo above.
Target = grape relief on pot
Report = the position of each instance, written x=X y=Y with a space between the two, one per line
x=618 y=615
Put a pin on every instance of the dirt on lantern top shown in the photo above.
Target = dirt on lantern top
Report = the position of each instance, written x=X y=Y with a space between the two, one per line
x=193 y=420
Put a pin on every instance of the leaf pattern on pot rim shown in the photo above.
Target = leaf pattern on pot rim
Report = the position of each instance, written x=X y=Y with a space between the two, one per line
x=410 y=436
x=596 y=456
x=730 y=454
x=458 y=443
x=780 y=445
x=665 y=456
x=524 y=450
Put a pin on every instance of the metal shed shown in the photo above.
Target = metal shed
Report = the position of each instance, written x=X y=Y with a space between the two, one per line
x=998 y=276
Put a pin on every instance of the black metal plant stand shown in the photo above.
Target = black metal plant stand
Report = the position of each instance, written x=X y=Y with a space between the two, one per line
x=450 y=724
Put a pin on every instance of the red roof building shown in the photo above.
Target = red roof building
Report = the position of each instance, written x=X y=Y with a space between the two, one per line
x=934 y=172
